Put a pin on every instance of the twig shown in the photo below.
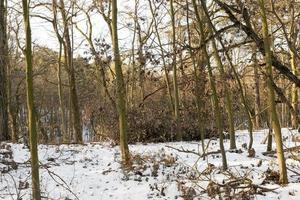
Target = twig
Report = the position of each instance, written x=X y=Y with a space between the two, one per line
x=183 y=150
x=63 y=184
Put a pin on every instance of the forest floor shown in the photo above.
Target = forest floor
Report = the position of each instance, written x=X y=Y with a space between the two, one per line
x=158 y=171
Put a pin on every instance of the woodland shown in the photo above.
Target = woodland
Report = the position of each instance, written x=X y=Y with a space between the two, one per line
x=149 y=99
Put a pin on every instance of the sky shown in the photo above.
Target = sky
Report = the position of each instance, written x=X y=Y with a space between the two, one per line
x=42 y=31
x=43 y=34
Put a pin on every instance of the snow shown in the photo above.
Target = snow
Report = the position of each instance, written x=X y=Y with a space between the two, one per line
x=93 y=171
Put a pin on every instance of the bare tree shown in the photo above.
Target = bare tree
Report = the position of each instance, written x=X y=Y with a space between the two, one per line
x=68 y=53
x=121 y=89
x=216 y=103
x=273 y=113
x=36 y=193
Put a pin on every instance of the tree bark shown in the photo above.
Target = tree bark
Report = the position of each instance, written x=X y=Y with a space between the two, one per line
x=174 y=66
x=271 y=98
x=237 y=78
x=228 y=102
x=121 y=90
x=63 y=123
x=294 y=92
x=257 y=91
x=36 y=194
x=215 y=98
x=76 y=118
x=4 y=128
x=199 y=83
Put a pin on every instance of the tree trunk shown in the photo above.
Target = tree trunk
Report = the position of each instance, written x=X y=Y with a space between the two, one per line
x=273 y=113
x=71 y=71
x=199 y=85
x=36 y=194
x=228 y=102
x=294 y=92
x=237 y=78
x=257 y=92
x=12 y=109
x=60 y=97
x=270 y=136
x=175 y=82
x=63 y=123
x=142 y=63
x=215 y=98
x=121 y=90
x=4 y=128
x=293 y=39
x=217 y=112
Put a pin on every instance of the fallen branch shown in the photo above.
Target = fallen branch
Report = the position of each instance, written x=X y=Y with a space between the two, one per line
x=236 y=187
x=296 y=148
x=182 y=150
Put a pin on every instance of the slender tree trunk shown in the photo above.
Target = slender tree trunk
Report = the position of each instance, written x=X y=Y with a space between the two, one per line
x=293 y=43
x=257 y=92
x=270 y=136
x=275 y=122
x=142 y=62
x=121 y=90
x=43 y=133
x=228 y=102
x=199 y=85
x=218 y=115
x=175 y=82
x=73 y=91
x=283 y=99
x=215 y=98
x=4 y=128
x=294 y=92
x=237 y=78
x=63 y=123
x=69 y=114
x=133 y=61
x=60 y=98
x=36 y=194
x=12 y=109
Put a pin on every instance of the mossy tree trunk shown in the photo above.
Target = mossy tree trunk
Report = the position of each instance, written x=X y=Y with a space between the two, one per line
x=271 y=97
x=200 y=79
x=294 y=92
x=36 y=194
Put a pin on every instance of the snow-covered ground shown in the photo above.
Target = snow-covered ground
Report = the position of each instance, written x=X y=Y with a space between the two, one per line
x=93 y=171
